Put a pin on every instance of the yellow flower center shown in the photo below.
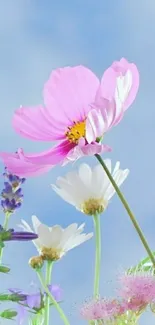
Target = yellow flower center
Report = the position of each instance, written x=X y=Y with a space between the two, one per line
x=75 y=132
x=51 y=254
x=94 y=206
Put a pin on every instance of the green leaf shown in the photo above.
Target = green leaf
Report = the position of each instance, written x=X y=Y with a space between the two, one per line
x=11 y=297
x=144 y=265
x=8 y=314
x=4 y=269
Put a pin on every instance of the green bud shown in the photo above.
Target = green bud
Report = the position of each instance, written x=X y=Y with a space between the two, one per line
x=8 y=314
x=4 y=269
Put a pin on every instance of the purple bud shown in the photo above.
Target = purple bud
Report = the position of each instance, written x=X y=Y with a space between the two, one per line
x=23 y=236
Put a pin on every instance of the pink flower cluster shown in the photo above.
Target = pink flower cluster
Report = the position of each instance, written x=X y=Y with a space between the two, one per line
x=137 y=292
x=103 y=309
x=78 y=110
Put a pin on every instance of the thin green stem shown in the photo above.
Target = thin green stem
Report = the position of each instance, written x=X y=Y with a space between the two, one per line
x=5 y=226
x=47 y=301
x=98 y=254
x=127 y=208
x=54 y=302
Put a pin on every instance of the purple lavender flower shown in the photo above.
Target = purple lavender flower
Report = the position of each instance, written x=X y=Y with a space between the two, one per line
x=12 y=195
x=8 y=235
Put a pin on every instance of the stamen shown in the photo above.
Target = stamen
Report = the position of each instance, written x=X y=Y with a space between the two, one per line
x=76 y=131
x=93 y=206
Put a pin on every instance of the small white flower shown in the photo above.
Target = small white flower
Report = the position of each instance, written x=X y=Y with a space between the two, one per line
x=89 y=189
x=53 y=242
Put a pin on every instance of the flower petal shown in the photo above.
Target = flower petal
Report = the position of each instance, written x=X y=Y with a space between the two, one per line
x=44 y=235
x=25 y=226
x=20 y=166
x=120 y=69
x=56 y=235
x=123 y=66
x=94 y=148
x=36 y=223
x=35 y=123
x=86 y=150
x=118 y=89
x=95 y=125
x=34 y=300
x=85 y=174
x=51 y=156
x=69 y=92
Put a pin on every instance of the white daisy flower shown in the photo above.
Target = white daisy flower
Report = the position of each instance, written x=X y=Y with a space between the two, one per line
x=89 y=189
x=54 y=242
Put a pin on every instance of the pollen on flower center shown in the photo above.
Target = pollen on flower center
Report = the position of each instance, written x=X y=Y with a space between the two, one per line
x=76 y=131
x=51 y=254
x=93 y=206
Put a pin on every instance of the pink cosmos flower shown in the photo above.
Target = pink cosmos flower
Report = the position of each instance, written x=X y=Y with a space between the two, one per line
x=138 y=289
x=78 y=110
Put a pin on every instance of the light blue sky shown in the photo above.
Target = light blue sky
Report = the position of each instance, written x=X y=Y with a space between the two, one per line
x=37 y=36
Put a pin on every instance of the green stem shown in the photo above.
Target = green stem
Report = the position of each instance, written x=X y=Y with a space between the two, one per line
x=54 y=302
x=127 y=208
x=47 y=301
x=98 y=255
x=5 y=226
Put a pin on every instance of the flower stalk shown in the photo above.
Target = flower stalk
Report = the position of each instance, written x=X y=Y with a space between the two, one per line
x=98 y=255
x=49 y=266
x=54 y=302
x=127 y=208
x=5 y=226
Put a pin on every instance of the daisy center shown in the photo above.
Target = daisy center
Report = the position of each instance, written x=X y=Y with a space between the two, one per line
x=75 y=132
x=50 y=254
x=93 y=206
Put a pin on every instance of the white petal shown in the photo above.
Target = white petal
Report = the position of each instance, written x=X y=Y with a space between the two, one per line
x=117 y=166
x=70 y=177
x=56 y=234
x=119 y=178
x=75 y=189
x=68 y=234
x=85 y=174
x=108 y=164
x=78 y=240
x=44 y=235
x=123 y=86
x=65 y=195
x=100 y=181
x=25 y=226
x=36 y=223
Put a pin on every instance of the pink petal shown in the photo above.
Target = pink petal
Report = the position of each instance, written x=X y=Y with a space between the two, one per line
x=51 y=156
x=94 y=148
x=118 y=89
x=35 y=123
x=135 y=81
x=69 y=92
x=85 y=150
x=22 y=167
x=95 y=125
x=109 y=81
x=108 y=116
